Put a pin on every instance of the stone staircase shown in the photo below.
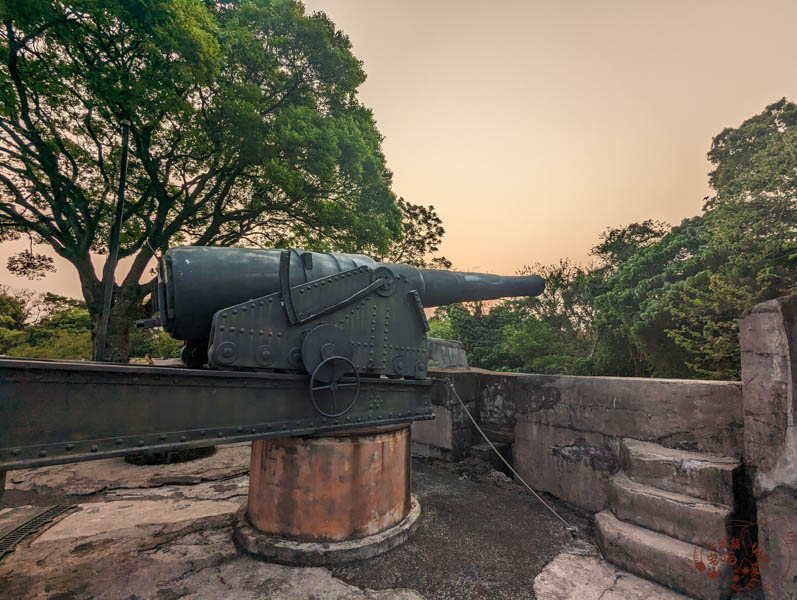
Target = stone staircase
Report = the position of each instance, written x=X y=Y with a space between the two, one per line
x=664 y=506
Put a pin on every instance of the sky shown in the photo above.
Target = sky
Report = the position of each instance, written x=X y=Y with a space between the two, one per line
x=532 y=126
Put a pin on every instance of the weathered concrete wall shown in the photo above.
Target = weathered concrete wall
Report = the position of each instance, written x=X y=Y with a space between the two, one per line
x=450 y=434
x=692 y=415
x=566 y=431
x=447 y=354
x=769 y=373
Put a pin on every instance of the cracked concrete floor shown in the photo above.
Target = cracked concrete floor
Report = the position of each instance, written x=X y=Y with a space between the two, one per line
x=164 y=532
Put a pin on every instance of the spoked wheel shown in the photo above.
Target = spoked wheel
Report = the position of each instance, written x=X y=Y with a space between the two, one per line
x=327 y=394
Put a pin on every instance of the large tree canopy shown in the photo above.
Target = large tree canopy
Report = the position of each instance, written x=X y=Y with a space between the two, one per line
x=245 y=128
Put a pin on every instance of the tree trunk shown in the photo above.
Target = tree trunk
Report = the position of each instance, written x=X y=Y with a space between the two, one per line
x=125 y=308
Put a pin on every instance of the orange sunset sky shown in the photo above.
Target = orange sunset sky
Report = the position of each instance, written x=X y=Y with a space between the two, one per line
x=533 y=126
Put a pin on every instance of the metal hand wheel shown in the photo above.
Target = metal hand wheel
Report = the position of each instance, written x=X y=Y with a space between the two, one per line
x=333 y=386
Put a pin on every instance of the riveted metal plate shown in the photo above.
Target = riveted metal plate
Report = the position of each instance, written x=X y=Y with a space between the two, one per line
x=63 y=411
x=388 y=337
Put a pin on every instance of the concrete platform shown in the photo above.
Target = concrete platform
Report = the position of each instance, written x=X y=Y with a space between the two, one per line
x=587 y=577
x=165 y=532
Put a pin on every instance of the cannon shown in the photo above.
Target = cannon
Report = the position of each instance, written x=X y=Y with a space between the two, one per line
x=325 y=314
x=319 y=359
x=279 y=343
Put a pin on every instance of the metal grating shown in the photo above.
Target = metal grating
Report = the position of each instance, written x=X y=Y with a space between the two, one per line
x=11 y=539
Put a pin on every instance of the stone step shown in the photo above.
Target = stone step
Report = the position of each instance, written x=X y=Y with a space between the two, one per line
x=705 y=476
x=658 y=557
x=485 y=452
x=684 y=517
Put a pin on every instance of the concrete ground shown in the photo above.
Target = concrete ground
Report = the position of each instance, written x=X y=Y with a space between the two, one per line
x=164 y=532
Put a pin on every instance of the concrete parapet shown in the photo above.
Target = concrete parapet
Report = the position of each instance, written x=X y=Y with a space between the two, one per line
x=768 y=338
x=450 y=434
x=566 y=431
x=447 y=354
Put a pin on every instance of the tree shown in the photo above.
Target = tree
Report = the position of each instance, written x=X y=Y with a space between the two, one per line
x=421 y=233
x=631 y=318
x=751 y=253
x=556 y=330
x=13 y=314
x=64 y=331
x=43 y=325
x=678 y=299
x=481 y=329
x=665 y=301
x=245 y=129
x=620 y=244
x=155 y=342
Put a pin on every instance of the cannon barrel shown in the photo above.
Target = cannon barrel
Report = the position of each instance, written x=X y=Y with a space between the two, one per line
x=197 y=281
x=446 y=287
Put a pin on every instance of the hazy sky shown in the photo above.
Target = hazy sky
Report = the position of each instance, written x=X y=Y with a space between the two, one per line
x=533 y=126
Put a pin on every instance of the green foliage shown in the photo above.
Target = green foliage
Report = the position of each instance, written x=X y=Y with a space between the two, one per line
x=45 y=326
x=482 y=332
x=554 y=332
x=13 y=313
x=421 y=233
x=440 y=326
x=665 y=301
x=751 y=226
x=52 y=326
x=155 y=342
x=681 y=297
x=245 y=129
x=63 y=344
x=30 y=264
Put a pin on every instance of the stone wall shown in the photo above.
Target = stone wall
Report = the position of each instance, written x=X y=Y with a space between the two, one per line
x=769 y=374
x=450 y=434
x=447 y=354
x=566 y=431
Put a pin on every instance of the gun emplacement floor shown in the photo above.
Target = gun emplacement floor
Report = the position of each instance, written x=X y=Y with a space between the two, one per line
x=165 y=532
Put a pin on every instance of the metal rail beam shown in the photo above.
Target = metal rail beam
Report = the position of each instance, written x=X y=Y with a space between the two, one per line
x=55 y=412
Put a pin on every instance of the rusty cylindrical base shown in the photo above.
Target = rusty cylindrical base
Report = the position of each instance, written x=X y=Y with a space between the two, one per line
x=323 y=500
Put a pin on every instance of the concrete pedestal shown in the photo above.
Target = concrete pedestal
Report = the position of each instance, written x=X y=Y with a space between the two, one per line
x=332 y=499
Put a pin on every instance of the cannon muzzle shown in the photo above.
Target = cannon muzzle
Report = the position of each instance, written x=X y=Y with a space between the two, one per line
x=447 y=287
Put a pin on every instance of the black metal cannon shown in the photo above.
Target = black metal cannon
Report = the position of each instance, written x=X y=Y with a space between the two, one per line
x=262 y=320
x=326 y=314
